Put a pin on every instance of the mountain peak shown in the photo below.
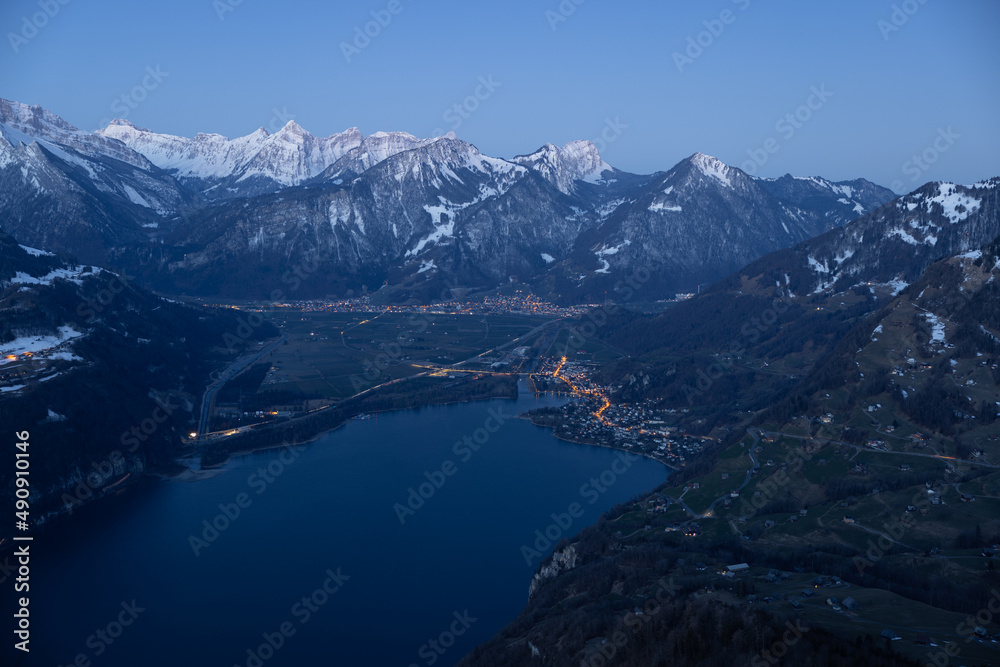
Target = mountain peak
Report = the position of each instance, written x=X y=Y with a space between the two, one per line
x=713 y=167
x=350 y=134
x=291 y=127
x=121 y=122
x=583 y=149
x=576 y=161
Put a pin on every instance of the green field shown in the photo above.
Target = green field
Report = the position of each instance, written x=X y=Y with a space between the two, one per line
x=335 y=355
x=578 y=348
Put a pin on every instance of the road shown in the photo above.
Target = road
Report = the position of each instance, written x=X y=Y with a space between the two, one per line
x=244 y=362
x=540 y=327
x=939 y=457
x=234 y=369
x=372 y=319
x=708 y=512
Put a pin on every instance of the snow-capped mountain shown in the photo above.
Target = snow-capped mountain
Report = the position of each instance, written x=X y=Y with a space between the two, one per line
x=67 y=190
x=890 y=246
x=563 y=167
x=701 y=220
x=215 y=215
x=371 y=151
x=441 y=210
x=840 y=202
x=220 y=168
x=26 y=124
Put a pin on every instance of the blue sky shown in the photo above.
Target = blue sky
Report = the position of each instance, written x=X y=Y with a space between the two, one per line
x=897 y=79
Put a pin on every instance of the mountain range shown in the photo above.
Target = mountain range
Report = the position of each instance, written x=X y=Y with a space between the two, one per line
x=717 y=353
x=216 y=216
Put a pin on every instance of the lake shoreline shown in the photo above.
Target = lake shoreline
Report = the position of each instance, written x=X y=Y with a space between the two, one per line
x=597 y=444
x=356 y=478
x=175 y=468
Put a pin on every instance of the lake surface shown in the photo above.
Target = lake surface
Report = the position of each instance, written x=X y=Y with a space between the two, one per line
x=325 y=515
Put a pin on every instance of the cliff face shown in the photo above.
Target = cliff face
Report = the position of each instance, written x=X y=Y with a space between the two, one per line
x=561 y=561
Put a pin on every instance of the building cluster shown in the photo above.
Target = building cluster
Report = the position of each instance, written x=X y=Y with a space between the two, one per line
x=34 y=365
x=638 y=427
x=518 y=303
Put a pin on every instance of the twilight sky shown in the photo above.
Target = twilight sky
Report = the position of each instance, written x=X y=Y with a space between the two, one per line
x=901 y=92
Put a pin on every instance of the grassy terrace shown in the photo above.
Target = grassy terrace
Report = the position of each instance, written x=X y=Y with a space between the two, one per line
x=328 y=352
x=802 y=487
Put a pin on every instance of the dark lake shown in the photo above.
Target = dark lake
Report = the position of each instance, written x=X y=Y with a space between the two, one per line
x=318 y=548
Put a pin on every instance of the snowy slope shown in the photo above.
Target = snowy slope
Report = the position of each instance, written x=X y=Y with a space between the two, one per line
x=892 y=245
x=563 y=167
x=220 y=167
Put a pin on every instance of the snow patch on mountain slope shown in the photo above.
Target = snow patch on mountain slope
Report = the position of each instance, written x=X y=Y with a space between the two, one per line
x=659 y=207
x=37 y=125
x=904 y=236
x=35 y=344
x=843 y=256
x=897 y=285
x=289 y=156
x=135 y=197
x=504 y=174
x=606 y=252
x=713 y=167
x=73 y=274
x=937 y=327
x=816 y=266
x=956 y=206
x=576 y=161
x=35 y=252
